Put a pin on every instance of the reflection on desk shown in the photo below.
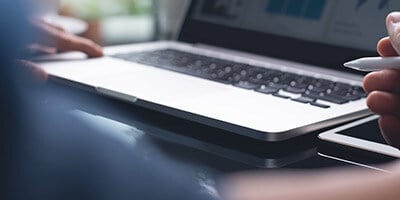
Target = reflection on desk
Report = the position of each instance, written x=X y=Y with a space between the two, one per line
x=129 y=135
x=211 y=151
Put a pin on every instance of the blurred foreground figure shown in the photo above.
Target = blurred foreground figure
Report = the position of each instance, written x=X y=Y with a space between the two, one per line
x=47 y=153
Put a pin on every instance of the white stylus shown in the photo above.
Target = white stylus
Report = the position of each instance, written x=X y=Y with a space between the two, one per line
x=368 y=64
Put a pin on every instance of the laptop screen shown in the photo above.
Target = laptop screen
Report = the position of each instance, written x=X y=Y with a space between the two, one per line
x=318 y=32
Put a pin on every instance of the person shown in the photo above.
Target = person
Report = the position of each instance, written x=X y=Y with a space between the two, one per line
x=383 y=89
x=47 y=153
x=384 y=86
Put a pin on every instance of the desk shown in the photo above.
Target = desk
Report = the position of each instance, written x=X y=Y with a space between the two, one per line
x=208 y=151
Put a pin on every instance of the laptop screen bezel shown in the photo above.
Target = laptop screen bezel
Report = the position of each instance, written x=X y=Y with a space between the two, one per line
x=307 y=52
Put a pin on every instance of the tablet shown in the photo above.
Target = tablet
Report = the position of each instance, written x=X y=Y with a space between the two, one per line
x=364 y=135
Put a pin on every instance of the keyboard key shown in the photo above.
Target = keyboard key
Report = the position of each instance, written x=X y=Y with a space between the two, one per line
x=306 y=80
x=276 y=85
x=351 y=97
x=314 y=89
x=246 y=85
x=326 y=97
x=319 y=105
x=267 y=90
x=359 y=91
x=295 y=90
x=281 y=96
x=303 y=100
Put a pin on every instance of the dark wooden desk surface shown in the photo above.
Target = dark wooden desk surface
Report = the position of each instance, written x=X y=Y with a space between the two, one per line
x=209 y=151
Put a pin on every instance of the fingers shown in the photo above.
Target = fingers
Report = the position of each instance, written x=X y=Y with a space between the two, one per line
x=384 y=99
x=384 y=103
x=48 y=23
x=385 y=48
x=52 y=36
x=69 y=42
x=390 y=46
x=384 y=86
x=393 y=28
x=40 y=49
x=387 y=105
x=390 y=126
x=385 y=80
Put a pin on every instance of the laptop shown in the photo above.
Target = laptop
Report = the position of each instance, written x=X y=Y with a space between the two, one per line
x=266 y=69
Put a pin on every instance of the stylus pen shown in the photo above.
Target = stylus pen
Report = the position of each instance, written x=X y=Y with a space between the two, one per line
x=368 y=64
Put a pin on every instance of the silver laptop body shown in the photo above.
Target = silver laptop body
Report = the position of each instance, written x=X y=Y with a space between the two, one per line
x=234 y=34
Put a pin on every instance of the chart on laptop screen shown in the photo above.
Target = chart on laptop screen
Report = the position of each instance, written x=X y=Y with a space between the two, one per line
x=299 y=9
x=350 y=23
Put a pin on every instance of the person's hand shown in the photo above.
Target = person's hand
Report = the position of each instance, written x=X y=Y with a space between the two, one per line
x=352 y=184
x=384 y=86
x=52 y=39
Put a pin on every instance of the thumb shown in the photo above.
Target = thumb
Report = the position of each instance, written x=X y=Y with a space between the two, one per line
x=393 y=28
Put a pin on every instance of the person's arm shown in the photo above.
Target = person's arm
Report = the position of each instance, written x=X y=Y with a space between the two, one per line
x=384 y=86
x=344 y=184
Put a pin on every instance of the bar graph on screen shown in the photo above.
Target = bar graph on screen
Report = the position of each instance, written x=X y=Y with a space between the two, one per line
x=306 y=9
x=382 y=4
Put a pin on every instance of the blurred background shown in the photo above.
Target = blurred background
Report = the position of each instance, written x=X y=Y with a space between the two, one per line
x=112 y=22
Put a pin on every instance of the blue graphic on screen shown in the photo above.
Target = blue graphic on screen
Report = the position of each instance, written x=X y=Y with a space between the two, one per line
x=382 y=4
x=308 y=9
x=360 y=3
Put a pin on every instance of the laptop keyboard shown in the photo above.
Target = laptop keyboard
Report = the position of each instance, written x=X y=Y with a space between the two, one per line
x=306 y=89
